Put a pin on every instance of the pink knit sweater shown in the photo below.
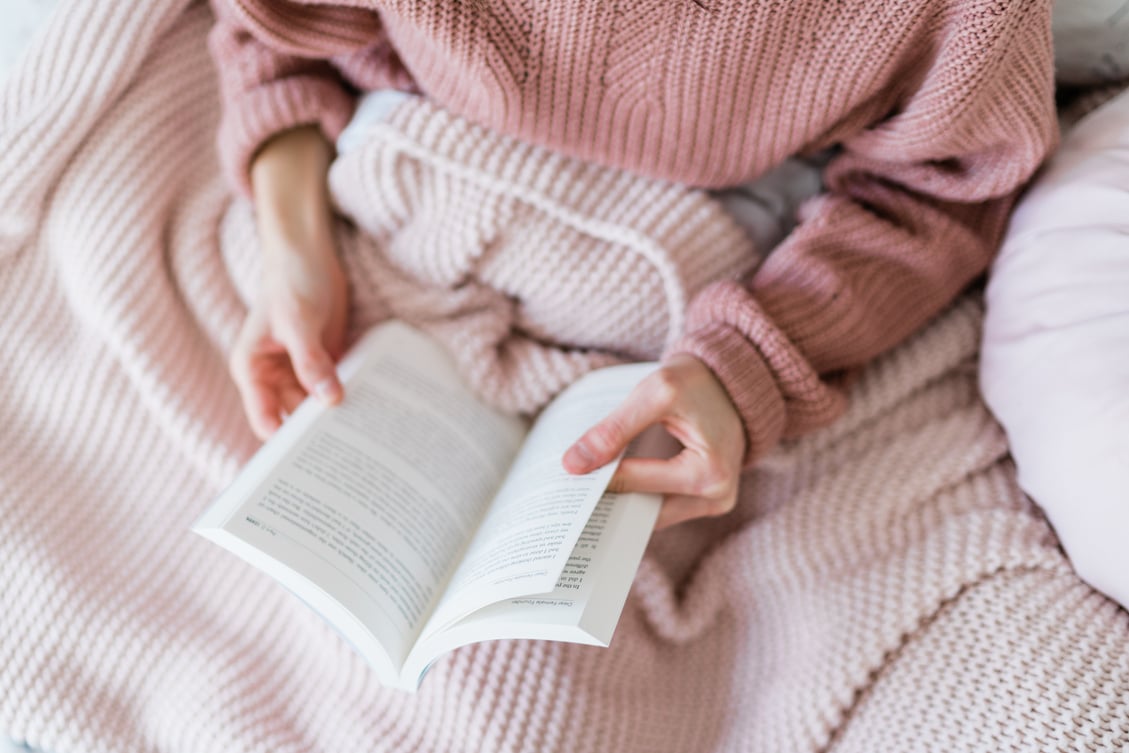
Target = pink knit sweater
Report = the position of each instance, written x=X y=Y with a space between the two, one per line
x=941 y=110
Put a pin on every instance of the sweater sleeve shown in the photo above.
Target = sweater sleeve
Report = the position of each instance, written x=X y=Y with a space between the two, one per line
x=278 y=65
x=915 y=209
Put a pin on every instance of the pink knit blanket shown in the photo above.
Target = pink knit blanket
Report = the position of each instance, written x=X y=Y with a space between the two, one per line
x=883 y=585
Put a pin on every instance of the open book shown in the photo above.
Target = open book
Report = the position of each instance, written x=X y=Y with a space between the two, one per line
x=416 y=519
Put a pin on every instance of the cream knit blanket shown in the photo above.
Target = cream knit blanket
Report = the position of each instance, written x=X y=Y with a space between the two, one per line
x=882 y=586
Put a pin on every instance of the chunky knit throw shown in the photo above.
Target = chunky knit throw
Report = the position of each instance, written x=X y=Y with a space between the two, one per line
x=883 y=585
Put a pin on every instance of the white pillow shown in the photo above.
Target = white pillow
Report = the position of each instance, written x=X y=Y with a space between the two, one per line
x=1055 y=361
x=1091 y=39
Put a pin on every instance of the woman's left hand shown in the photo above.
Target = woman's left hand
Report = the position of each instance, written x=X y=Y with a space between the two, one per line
x=691 y=404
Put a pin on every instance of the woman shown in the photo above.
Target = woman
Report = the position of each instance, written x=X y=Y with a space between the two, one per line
x=939 y=111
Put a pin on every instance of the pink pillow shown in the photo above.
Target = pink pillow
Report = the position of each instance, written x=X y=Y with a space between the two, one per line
x=1055 y=361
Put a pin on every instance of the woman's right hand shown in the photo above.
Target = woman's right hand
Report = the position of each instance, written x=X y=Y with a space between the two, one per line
x=295 y=331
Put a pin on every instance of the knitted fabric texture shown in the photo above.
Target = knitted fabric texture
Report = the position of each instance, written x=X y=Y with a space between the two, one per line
x=941 y=110
x=883 y=584
x=530 y=267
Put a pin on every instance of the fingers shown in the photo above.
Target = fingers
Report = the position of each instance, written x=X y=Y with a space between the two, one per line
x=260 y=402
x=603 y=443
x=692 y=486
x=650 y=476
x=312 y=363
x=693 y=407
x=679 y=508
x=270 y=377
x=290 y=396
x=688 y=474
x=262 y=411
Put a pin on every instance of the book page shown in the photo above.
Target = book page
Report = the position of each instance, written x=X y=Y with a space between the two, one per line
x=370 y=503
x=587 y=600
x=537 y=516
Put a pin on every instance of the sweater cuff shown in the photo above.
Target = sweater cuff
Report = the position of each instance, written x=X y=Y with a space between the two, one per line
x=742 y=370
x=272 y=108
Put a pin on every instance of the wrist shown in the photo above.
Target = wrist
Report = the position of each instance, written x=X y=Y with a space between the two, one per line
x=288 y=242
x=746 y=380
x=291 y=196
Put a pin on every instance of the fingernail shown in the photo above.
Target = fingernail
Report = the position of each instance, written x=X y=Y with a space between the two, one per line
x=578 y=458
x=327 y=389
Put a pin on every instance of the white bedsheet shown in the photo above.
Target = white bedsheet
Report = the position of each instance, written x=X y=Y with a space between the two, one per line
x=22 y=19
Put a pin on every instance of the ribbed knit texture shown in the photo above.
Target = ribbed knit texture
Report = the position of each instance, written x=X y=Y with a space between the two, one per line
x=531 y=267
x=883 y=585
x=942 y=110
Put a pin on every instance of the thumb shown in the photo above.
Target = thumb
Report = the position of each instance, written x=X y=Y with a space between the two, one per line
x=312 y=363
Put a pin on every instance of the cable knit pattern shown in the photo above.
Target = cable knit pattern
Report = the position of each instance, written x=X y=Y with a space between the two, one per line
x=883 y=584
x=941 y=111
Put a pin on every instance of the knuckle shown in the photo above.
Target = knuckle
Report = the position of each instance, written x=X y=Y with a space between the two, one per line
x=307 y=361
x=712 y=481
x=713 y=478
x=699 y=482
x=664 y=387
x=606 y=435
x=299 y=344
x=721 y=505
